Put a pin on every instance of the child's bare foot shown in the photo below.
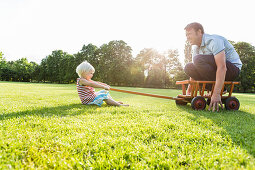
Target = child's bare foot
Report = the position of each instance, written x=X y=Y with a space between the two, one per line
x=224 y=92
x=124 y=105
x=208 y=94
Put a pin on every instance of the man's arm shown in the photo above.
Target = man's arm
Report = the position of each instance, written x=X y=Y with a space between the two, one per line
x=220 y=61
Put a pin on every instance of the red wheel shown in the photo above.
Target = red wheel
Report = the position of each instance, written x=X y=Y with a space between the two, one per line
x=198 y=103
x=232 y=103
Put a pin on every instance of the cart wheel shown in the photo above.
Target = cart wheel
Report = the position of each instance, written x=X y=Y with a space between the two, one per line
x=179 y=102
x=223 y=101
x=198 y=103
x=232 y=103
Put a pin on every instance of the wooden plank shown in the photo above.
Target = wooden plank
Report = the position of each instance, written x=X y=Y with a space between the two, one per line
x=231 y=90
x=185 y=96
x=212 y=89
x=183 y=82
x=144 y=94
x=183 y=89
x=196 y=89
x=203 y=89
x=209 y=82
x=192 y=89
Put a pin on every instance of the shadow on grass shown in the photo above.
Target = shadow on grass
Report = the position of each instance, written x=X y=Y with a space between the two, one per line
x=66 y=110
x=239 y=125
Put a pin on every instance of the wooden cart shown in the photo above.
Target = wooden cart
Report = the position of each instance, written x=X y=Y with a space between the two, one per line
x=197 y=98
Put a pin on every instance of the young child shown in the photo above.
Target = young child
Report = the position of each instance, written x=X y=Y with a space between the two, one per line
x=86 y=91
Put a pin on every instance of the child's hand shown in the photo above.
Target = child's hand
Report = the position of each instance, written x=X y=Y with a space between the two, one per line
x=107 y=87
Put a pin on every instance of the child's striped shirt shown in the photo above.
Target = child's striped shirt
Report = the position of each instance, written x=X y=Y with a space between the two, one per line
x=86 y=93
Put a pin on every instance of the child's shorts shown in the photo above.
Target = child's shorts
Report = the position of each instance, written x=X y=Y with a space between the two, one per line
x=100 y=96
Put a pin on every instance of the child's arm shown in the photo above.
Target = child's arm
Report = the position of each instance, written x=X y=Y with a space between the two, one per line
x=93 y=84
x=101 y=83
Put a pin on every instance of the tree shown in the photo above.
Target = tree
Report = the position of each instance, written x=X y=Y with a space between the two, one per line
x=88 y=53
x=187 y=53
x=58 y=67
x=137 y=74
x=157 y=73
x=115 y=59
x=53 y=66
x=2 y=65
x=68 y=68
x=162 y=69
x=21 y=69
x=175 y=68
x=247 y=75
x=42 y=71
x=145 y=59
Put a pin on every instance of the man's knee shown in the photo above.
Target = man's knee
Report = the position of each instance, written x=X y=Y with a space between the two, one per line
x=201 y=60
x=188 y=68
x=198 y=59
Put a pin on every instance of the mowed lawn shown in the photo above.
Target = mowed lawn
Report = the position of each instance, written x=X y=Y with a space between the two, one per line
x=44 y=126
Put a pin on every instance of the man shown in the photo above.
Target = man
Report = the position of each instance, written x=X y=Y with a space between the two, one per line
x=214 y=59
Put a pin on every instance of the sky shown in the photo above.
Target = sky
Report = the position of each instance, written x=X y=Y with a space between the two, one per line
x=34 y=28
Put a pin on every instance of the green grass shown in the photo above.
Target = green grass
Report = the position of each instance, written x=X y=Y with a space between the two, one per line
x=44 y=126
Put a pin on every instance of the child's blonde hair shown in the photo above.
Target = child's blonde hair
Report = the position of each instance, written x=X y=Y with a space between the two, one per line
x=84 y=67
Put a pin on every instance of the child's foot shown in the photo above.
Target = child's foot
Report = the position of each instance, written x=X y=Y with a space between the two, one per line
x=224 y=92
x=208 y=94
x=124 y=105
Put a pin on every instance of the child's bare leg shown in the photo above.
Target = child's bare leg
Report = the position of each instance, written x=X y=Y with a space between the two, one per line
x=110 y=97
x=112 y=102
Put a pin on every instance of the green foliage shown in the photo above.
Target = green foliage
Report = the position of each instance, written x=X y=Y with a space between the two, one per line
x=137 y=78
x=19 y=70
x=44 y=126
x=175 y=68
x=2 y=64
x=154 y=64
x=162 y=69
x=115 y=60
x=187 y=53
x=247 y=76
x=88 y=53
x=58 y=67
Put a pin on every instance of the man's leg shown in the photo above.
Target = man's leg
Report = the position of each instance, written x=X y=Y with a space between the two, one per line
x=192 y=72
x=232 y=72
x=206 y=66
x=203 y=68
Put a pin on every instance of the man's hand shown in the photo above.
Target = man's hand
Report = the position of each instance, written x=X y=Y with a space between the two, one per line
x=215 y=101
x=220 y=61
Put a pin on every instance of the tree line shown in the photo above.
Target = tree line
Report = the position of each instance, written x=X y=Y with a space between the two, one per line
x=115 y=65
